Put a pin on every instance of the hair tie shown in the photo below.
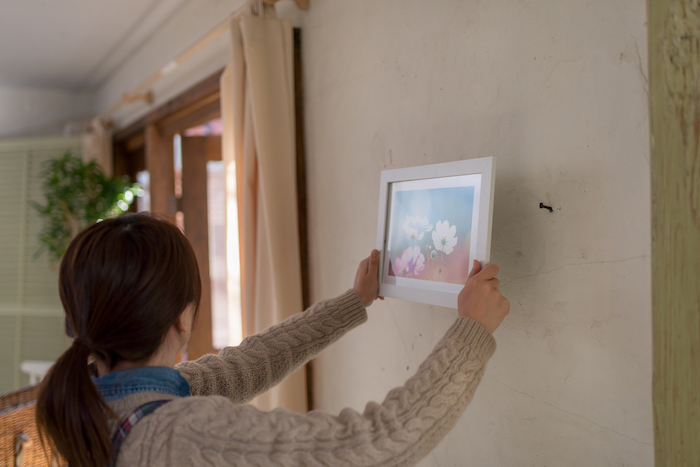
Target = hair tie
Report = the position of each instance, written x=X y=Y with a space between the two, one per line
x=81 y=343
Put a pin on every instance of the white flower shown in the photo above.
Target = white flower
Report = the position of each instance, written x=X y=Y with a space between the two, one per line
x=416 y=226
x=444 y=237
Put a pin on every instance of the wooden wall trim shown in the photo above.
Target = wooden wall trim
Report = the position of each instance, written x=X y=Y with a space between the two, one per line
x=674 y=104
x=301 y=169
x=190 y=97
x=301 y=198
x=159 y=163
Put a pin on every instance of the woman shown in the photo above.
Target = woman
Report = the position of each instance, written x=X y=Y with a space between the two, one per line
x=130 y=287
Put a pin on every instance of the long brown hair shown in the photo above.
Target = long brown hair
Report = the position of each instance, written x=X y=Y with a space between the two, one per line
x=123 y=283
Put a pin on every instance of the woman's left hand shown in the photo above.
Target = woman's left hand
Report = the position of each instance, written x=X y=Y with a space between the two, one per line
x=367 y=279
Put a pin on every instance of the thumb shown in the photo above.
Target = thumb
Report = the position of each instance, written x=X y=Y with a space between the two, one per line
x=475 y=269
x=373 y=265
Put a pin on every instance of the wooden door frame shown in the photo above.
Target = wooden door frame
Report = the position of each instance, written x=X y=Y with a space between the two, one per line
x=150 y=139
x=196 y=152
x=147 y=143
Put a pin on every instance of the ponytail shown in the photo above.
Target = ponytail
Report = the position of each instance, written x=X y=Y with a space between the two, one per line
x=72 y=414
x=123 y=283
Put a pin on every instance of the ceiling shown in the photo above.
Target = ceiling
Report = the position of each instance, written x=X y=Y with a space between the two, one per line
x=73 y=44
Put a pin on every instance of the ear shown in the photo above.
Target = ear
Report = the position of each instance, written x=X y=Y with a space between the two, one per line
x=179 y=324
x=184 y=322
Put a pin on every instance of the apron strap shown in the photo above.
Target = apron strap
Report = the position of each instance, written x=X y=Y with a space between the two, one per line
x=132 y=420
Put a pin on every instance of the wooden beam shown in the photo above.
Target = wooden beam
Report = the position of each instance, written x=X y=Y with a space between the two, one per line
x=190 y=97
x=136 y=142
x=200 y=112
x=196 y=151
x=674 y=103
x=159 y=163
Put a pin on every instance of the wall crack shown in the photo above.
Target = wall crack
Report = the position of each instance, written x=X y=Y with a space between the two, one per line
x=573 y=265
x=571 y=413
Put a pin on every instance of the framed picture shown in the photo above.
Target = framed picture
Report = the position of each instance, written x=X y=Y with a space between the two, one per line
x=433 y=221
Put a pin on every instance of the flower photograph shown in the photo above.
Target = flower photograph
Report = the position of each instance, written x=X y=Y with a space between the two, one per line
x=430 y=234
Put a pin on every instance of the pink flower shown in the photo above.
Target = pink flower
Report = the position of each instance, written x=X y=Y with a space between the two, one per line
x=410 y=263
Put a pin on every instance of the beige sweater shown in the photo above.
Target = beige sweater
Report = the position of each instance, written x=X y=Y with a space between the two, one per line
x=215 y=428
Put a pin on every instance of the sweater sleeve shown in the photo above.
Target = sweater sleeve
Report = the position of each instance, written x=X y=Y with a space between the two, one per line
x=400 y=431
x=263 y=360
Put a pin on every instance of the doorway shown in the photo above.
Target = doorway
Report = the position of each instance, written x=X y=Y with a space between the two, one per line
x=175 y=153
x=148 y=147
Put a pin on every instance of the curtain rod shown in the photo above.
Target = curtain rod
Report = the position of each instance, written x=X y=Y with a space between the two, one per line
x=143 y=93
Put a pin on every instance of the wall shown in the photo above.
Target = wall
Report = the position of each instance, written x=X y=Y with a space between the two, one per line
x=31 y=315
x=27 y=111
x=557 y=92
x=184 y=28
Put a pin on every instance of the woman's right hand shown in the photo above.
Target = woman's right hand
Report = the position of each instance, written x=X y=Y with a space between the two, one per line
x=480 y=298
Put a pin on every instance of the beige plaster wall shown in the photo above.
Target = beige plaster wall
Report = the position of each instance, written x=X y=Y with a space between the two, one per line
x=557 y=91
x=30 y=111
x=186 y=26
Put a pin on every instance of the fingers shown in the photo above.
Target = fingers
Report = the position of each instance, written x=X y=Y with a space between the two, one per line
x=481 y=300
x=488 y=273
x=373 y=263
x=369 y=264
x=363 y=267
x=366 y=280
x=505 y=303
x=476 y=267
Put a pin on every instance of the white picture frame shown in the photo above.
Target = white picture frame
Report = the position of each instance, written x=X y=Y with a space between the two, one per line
x=433 y=221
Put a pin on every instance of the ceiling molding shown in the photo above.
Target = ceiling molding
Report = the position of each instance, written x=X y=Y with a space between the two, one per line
x=141 y=31
x=74 y=44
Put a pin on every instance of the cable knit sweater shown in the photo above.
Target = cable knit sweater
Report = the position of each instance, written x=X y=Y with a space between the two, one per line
x=213 y=427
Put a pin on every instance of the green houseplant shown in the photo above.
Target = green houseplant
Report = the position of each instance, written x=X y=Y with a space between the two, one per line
x=77 y=194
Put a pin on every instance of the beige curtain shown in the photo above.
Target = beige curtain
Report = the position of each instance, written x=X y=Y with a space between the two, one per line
x=257 y=93
x=97 y=145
